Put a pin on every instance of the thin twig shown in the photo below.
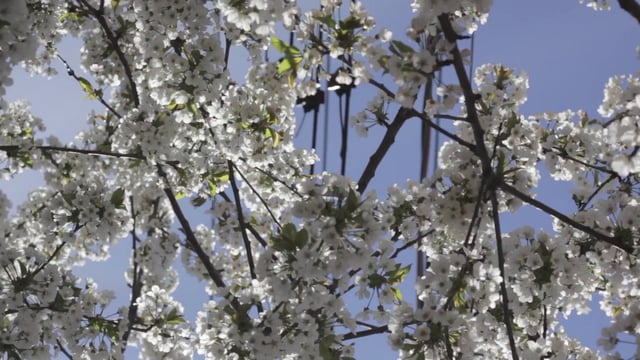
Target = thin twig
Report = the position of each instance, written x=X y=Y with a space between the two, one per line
x=262 y=200
x=444 y=132
x=72 y=73
x=597 y=190
x=242 y=224
x=64 y=350
x=565 y=155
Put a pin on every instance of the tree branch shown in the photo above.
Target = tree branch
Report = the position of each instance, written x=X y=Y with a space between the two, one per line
x=632 y=7
x=136 y=283
x=273 y=217
x=191 y=238
x=442 y=131
x=243 y=227
x=386 y=142
x=469 y=96
x=72 y=73
x=45 y=148
x=98 y=14
x=611 y=240
x=506 y=312
x=363 y=333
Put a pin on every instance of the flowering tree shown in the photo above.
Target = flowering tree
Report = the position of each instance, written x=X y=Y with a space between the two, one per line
x=289 y=246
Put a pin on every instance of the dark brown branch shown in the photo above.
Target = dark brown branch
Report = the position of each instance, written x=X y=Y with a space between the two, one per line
x=386 y=142
x=611 y=240
x=364 y=333
x=450 y=117
x=64 y=350
x=632 y=7
x=98 y=14
x=44 y=148
x=382 y=87
x=276 y=179
x=191 y=237
x=597 y=190
x=242 y=224
x=250 y=227
x=410 y=244
x=136 y=283
x=565 y=155
x=444 y=132
x=469 y=96
x=506 y=312
x=51 y=257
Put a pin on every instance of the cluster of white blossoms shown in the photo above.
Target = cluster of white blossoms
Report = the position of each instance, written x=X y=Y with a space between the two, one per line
x=299 y=265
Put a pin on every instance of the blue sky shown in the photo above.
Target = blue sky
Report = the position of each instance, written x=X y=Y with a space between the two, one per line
x=567 y=49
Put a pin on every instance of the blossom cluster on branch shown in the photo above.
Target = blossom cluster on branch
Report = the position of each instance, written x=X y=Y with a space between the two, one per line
x=297 y=264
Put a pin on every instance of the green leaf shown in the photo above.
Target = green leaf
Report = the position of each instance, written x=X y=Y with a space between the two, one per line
x=216 y=179
x=458 y=299
x=512 y=122
x=69 y=197
x=193 y=109
x=350 y=23
x=173 y=317
x=117 y=198
x=292 y=79
x=376 y=281
x=301 y=238
x=327 y=20
x=279 y=44
x=242 y=319
x=502 y=163
x=87 y=87
x=198 y=201
x=397 y=275
x=284 y=66
x=273 y=134
x=289 y=231
x=396 y=293
x=292 y=58
x=352 y=202
x=105 y=326
x=175 y=106
x=180 y=195
x=69 y=15
x=502 y=75
x=290 y=239
x=229 y=310
x=289 y=62
x=402 y=46
x=325 y=348
x=115 y=3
